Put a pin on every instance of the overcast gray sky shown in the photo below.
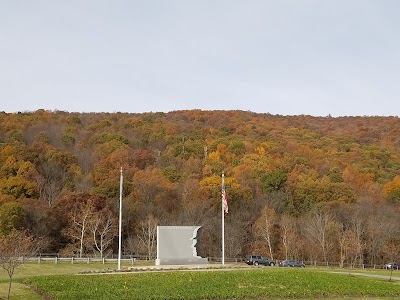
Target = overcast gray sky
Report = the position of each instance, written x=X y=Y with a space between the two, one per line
x=289 y=57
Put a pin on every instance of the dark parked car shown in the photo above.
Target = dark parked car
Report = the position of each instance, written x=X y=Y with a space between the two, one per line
x=393 y=265
x=291 y=263
x=259 y=260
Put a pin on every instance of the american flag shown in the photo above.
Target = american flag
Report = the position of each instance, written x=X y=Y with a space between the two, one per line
x=224 y=200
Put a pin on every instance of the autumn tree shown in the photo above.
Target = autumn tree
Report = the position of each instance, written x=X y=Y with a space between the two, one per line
x=392 y=190
x=274 y=181
x=18 y=180
x=106 y=172
x=154 y=190
x=53 y=167
x=44 y=222
x=194 y=204
x=12 y=217
x=172 y=164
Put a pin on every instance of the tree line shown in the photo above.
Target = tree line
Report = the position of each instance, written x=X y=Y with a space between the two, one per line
x=312 y=188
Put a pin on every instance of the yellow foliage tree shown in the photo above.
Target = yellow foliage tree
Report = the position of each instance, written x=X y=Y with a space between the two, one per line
x=214 y=180
x=392 y=186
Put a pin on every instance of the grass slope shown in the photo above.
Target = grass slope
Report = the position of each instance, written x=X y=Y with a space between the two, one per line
x=266 y=283
x=20 y=291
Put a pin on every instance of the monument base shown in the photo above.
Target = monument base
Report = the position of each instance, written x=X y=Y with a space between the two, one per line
x=172 y=261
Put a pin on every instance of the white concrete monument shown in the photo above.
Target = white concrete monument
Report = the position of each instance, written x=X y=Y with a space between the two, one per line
x=176 y=245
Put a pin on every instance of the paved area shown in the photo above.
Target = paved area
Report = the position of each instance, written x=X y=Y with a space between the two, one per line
x=388 y=277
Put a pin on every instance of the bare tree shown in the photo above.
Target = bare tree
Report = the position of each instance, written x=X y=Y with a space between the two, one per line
x=14 y=248
x=341 y=243
x=358 y=228
x=318 y=226
x=351 y=237
x=288 y=234
x=80 y=218
x=382 y=227
x=147 y=236
x=392 y=250
x=349 y=246
x=353 y=246
x=103 y=228
x=234 y=235
x=264 y=227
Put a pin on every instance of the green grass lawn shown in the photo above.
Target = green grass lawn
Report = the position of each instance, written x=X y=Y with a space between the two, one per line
x=61 y=282
x=268 y=283
x=20 y=291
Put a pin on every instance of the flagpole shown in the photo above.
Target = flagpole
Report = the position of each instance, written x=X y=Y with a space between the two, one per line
x=120 y=220
x=223 y=220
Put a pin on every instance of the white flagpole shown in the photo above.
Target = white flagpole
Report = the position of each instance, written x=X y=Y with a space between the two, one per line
x=120 y=221
x=223 y=222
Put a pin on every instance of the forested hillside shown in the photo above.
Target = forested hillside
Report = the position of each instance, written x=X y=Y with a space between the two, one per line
x=312 y=188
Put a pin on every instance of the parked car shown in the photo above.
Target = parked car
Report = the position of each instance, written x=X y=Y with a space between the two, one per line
x=259 y=260
x=393 y=265
x=291 y=263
